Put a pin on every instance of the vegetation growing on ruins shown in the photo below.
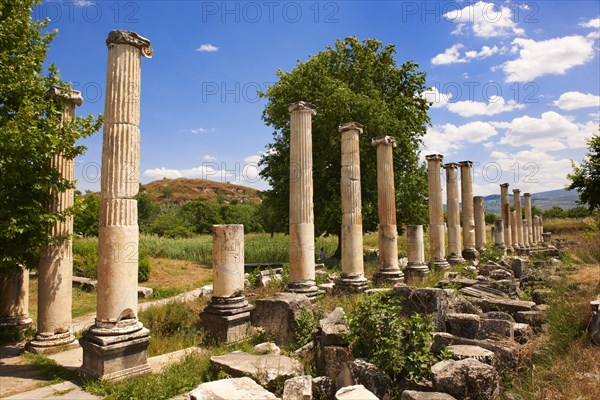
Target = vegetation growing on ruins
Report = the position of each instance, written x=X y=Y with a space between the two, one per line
x=30 y=135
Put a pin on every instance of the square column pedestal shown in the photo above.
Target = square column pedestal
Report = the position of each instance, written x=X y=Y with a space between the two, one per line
x=226 y=320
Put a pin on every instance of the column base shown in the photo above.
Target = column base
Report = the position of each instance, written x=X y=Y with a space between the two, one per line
x=48 y=344
x=455 y=259
x=351 y=283
x=480 y=249
x=470 y=254
x=308 y=288
x=18 y=323
x=388 y=275
x=501 y=247
x=226 y=320
x=116 y=356
x=415 y=272
x=439 y=265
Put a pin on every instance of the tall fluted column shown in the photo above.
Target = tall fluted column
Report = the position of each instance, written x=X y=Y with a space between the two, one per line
x=415 y=249
x=505 y=210
x=529 y=217
x=226 y=319
x=115 y=347
x=436 y=211
x=526 y=234
x=302 y=227
x=513 y=230
x=14 y=301
x=55 y=274
x=352 y=277
x=468 y=217
x=453 y=213
x=479 y=213
x=389 y=271
x=519 y=218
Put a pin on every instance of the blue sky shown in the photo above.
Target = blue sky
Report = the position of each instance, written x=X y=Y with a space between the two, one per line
x=515 y=85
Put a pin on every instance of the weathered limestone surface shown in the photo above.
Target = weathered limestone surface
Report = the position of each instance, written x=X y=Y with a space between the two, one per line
x=232 y=388
x=356 y=392
x=226 y=319
x=14 y=301
x=506 y=221
x=302 y=228
x=468 y=216
x=466 y=379
x=499 y=234
x=332 y=350
x=425 y=301
x=389 y=270
x=519 y=220
x=415 y=248
x=529 y=218
x=514 y=231
x=436 y=211
x=537 y=229
x=462 y=352
x=360 y=372
x=115 y=347
x=415 y=395
x=526 y=234
x=352 y=277
x=56 y=261
x=479 y=210
x=278 y=315
x=453 y=211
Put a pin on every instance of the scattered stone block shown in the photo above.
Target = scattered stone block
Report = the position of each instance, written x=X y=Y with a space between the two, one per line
x=534 y=318
x=267 y=348
x=323 y=388
x=541 y=296
x=360 y=372
x=509 y=306
x=498 y=315
x=495 y=329
x=278 y=315
x=463 y=325
x=331 y=359
x=357 y=392
x=415 y=395
x=518 y=265
x=499 y=274
x=268 y=370
x=460 y=305
x=145 y=292
x=233 y=388
x=523 y=332
x=298 y=388
x=327 y=287
x=466 y=379
x=332 y=328
x=424 y=300
x=462 y=352
x=86 y=284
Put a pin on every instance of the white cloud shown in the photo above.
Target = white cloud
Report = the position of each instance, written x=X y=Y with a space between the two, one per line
x=444 y=139
x=485 y=19
x=553 y=56
x=252 y=159
x=437 y=99
x=208 y=48
x=159 y=173
x=195 y=130
x=485 y=52
x=496 y=105
x=552 y=131
x=576 y=100
x=450 y=56
x=592 y=23
x=83 y=3
x=209 y=158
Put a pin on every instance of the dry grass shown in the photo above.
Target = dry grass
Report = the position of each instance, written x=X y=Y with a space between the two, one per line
x=565 y=225
x=177 y=274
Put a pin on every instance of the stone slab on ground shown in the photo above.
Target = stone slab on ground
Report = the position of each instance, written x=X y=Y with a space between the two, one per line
x=356 y=392
x=509 y=306
x=298 y=388
x=64 y=391
x=466 y=379
x=415 y=395
x=232 y=388
x=424 y=300
x=463 y=351
x=360 y=372
x=266 y=369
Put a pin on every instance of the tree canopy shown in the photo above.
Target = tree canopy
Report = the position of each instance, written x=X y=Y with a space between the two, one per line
x=31 y=133
x=350 y=81
x=586 y=178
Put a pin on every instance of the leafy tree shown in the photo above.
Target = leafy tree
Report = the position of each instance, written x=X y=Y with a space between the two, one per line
x=268 y=216
x=87 y=217
x=578 y=212
x=351 y=81
x=490 y=218
x=554 y=212
x=586 y=178
x=201 y=215
x=147 y=210
x=30 y=135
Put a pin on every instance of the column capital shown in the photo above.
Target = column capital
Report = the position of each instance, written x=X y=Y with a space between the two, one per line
x=504 y=185
x=517 y=191
x=302 y=106
x=350 y=126
x=450 y=165
x=465 y=163
x=66 y=95
x=434 y=157
x=132 y=39
x=385 y=140
x=526 y=194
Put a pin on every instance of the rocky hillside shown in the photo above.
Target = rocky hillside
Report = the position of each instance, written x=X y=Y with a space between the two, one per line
x=182 y=190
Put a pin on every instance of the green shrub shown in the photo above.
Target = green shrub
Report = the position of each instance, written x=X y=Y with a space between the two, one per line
x=85 y=257
x=399 y=346
x=306 y=326
x=491 y=253
x=168 y=319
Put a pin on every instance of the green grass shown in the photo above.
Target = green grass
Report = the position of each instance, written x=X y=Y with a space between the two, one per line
x=51 y=371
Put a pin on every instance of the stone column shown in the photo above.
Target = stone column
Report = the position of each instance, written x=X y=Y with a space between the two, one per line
x=542 y=228
x=415 y=249
x=114 y=348
x=14 y=301
x=302 y=227
x=529 y=218
x=436 y=211
x=468 y=217
x=499 y=234
x=505 y=211
x=536 y=229
x=389 y=270
x=453 y=213
x=526 y=234
x=226 y=319
x=513 y=229
x=55 y=274
x=352 y=277
x=519 y=218
x=479 y=211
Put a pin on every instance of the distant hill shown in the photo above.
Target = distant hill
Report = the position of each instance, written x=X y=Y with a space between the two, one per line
x=182 y=190
x=543 y=200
